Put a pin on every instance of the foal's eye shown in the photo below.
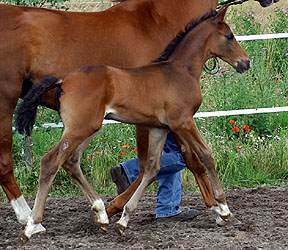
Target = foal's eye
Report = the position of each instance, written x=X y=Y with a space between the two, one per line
x=230 y=37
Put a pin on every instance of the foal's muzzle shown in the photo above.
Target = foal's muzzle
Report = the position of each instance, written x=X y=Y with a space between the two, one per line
x=243 y=65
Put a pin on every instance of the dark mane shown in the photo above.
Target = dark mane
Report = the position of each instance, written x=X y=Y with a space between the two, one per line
x=119 y=1
x=167 y=52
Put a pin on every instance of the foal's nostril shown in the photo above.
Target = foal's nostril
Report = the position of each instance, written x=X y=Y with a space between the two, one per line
x=243 y=66
x=248 y=64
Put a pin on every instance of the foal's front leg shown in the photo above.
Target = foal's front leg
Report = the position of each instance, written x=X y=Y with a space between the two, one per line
x=190 y=133
x=142 y=139
x=197 y=168
x=157 y=139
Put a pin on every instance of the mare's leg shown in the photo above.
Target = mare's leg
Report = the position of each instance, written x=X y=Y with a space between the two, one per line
x=72 y=167
x=198 y=169
x=10 y=90
x=189 y=132
x=7 y=179
x=157 y=139
x=142 y=138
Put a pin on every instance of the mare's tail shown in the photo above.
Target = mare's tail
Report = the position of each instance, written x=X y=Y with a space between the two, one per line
x=26 y=111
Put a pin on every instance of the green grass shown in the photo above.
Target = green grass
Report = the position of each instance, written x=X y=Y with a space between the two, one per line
x=242 y=159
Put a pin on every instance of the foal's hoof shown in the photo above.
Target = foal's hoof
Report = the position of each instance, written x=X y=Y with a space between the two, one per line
x=95 y=220
x=23 y=238
x=30 y=230
x=103 y=227
x=227 y=221
x=120 y=229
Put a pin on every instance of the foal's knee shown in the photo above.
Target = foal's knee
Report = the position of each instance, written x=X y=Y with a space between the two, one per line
x=70 y=166
x=207 y=158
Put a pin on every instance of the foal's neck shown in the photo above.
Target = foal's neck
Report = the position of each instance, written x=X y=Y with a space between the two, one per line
x=192 y=53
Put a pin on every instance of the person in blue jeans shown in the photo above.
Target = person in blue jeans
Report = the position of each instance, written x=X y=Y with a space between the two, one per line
x=169 y=176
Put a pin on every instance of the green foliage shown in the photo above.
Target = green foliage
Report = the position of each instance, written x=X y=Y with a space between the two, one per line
x=58 y=4
x=246 y=23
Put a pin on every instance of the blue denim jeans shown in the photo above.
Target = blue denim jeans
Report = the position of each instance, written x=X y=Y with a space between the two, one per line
x=169 y=176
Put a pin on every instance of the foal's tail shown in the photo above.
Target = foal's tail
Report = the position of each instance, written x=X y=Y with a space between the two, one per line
x=26 y=111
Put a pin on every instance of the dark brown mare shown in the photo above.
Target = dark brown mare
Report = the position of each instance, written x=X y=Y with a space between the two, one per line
x=36 y=42
x=163 y=96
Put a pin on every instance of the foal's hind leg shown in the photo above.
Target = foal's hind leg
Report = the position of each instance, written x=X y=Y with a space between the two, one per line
x=72 y=167
x=157 y=139
x=189 y=132
x=50 y=164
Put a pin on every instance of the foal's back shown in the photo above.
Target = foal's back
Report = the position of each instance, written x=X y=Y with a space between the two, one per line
x=141 y=95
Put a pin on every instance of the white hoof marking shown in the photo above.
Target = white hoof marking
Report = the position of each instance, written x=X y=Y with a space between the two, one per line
x=32 y=228
x=99 y=208
x=22 y=210
x=221 y=209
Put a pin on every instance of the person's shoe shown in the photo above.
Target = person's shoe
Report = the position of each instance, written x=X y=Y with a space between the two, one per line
x=119 y=177
x=183 y=216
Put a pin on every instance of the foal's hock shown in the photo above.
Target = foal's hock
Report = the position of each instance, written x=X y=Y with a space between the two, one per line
x=163 y=95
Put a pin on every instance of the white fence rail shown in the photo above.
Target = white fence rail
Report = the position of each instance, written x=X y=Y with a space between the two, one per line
x=202 y=115
x=261 y=37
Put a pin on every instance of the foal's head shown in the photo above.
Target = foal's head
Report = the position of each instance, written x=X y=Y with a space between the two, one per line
x=222 y=43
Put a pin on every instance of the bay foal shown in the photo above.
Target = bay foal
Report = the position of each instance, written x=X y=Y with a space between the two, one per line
x=163 y=96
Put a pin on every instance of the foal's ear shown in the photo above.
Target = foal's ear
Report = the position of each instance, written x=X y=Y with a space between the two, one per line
x=221 y=14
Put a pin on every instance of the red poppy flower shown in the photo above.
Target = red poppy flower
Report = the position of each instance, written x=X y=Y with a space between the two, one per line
x=136 y=149
x=89 y=159
x=232 y=121
x=239 y=147
x=96 y=153
x=121 y=153
x=125 y=146
x=247 y=127
x=236 y=129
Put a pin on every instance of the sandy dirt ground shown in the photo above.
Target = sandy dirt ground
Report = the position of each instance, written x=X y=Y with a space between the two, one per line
x=263 y=212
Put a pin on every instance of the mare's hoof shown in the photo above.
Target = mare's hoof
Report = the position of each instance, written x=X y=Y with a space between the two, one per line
x=227 y=221
x=121 y=229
